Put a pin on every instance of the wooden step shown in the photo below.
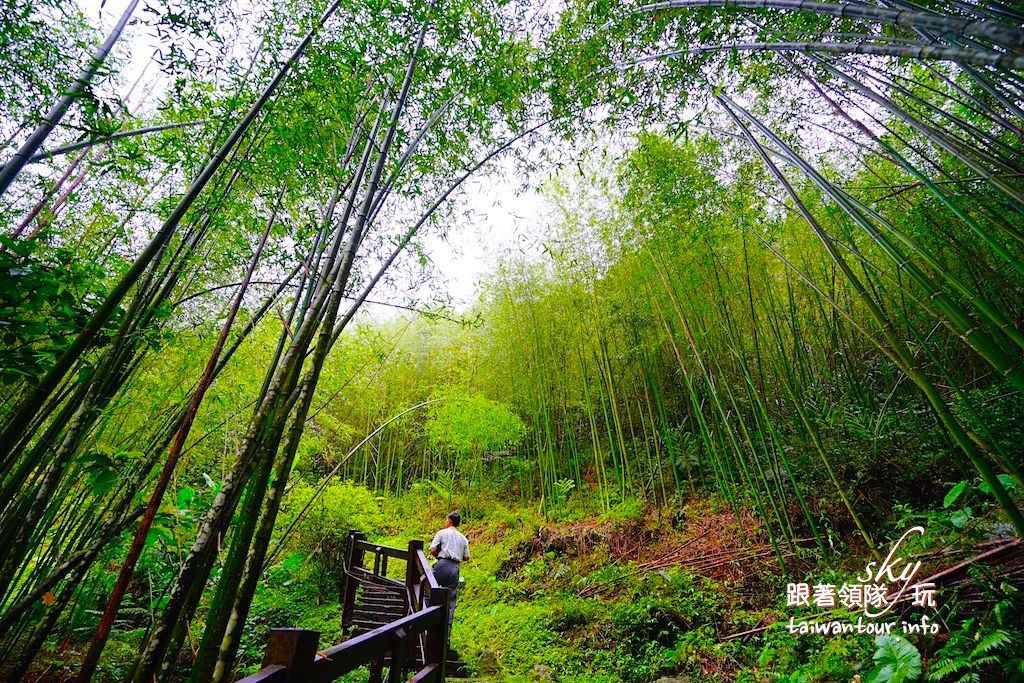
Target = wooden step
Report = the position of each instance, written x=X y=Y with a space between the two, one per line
x=382 y=603
x=392 y=612
x=363 y=625
x=379 y=589
x=385 y=605
x=374 y=614
x=374 y=591
x=381 y=598
x=364 y=615
x=366 y=577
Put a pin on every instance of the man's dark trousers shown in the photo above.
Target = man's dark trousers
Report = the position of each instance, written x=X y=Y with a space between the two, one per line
x=447 y=574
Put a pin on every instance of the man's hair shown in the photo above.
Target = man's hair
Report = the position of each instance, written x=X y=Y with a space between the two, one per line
x=455 y=517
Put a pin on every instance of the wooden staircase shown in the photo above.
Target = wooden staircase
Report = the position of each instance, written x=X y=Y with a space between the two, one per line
x=396 y=626
x=380 y=601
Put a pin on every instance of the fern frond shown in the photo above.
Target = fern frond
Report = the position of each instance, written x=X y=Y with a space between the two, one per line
x=941 y=668
x=993 y=641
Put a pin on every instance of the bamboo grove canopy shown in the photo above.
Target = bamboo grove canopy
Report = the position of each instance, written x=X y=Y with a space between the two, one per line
x=303 y=151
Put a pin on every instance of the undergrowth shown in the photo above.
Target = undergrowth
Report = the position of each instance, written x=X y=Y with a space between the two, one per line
x=582 y=593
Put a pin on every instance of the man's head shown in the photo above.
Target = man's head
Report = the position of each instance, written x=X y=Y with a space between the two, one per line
x=454 y=519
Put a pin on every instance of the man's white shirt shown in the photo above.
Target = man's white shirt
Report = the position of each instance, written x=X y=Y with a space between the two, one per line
x=450 y=544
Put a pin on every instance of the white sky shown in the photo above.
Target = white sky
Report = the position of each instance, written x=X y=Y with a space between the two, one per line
x=506 y=222
x=503 y=222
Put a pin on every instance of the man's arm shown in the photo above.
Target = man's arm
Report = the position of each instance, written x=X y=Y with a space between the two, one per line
x=435 y=545
x=433 y=550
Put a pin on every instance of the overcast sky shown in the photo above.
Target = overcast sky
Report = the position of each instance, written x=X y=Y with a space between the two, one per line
x=503 y=220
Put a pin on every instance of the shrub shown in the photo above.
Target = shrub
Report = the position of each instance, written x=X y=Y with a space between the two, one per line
x=320 y=536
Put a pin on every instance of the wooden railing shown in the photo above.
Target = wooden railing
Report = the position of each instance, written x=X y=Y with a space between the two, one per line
x=419 y=640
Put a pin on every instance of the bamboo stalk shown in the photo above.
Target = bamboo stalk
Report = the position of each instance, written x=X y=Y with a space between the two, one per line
x=13 y=167
x=1001 y=34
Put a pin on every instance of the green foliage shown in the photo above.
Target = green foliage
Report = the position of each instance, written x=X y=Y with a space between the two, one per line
x=443 y=486
x=954 y=494
x=45 y=295
x=473 y=424
x=896 y=661
x=645 y=632
x=833 y=659
x=972 y=650
x=41 y=43
x=320 y=537
x=965 y=497
x=563 y=489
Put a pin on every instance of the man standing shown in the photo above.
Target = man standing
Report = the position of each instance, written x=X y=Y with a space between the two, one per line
x=450 y=548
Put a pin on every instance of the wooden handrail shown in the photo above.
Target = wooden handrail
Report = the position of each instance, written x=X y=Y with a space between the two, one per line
x=292 y=654
x=351 y=654
x=268 y=674
x=425 y=569
x=387 y=550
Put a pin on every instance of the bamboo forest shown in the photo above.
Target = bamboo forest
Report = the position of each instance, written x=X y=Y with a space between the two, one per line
x=512 y=340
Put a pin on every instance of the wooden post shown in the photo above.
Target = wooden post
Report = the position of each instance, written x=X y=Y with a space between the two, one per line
x=358 y=553
x=294 y=649
x=346 y=563
x=377 y=669
x=398 y=649
x=437 y=637
x=412 y=575
x=348 y=604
